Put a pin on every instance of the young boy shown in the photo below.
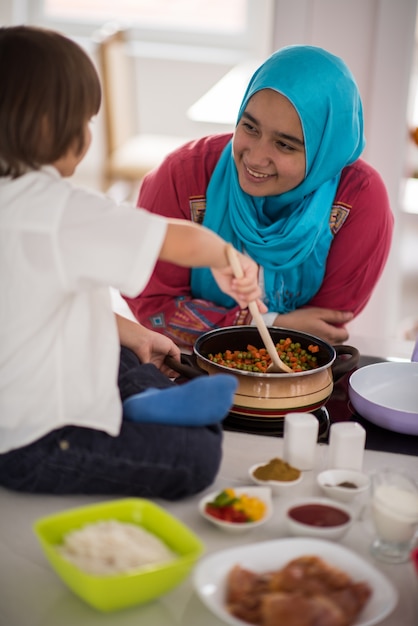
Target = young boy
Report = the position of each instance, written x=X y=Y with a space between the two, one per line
x=61 y=425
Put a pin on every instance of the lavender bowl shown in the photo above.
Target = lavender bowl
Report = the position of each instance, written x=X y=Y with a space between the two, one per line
x=386 y=394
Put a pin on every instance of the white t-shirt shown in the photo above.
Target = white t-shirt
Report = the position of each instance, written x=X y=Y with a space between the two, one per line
x=61 y=248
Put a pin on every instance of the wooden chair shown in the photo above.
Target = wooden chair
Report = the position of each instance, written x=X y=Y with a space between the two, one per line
x=130 y=154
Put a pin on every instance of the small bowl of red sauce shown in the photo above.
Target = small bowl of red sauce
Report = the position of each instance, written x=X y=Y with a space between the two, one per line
x=318 y=517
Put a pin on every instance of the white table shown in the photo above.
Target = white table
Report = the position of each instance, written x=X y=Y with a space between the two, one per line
x=32 y=595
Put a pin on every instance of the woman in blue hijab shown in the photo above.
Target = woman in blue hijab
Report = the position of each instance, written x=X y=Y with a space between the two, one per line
x=284 y=188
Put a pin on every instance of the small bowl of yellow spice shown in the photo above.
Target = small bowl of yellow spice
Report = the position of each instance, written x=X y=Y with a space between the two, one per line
x=276 y=474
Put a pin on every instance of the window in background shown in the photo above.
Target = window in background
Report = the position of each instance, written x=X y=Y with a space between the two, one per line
x=241 y=25
x=188 y=15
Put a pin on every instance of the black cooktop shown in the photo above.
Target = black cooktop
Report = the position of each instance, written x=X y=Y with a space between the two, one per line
x=336 y=409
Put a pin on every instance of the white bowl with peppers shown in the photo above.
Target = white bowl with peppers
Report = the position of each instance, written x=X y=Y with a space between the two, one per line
x=237 y=509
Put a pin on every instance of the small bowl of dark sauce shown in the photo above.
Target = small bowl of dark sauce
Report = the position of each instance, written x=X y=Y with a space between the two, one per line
x=343 y=485
x=318 y=517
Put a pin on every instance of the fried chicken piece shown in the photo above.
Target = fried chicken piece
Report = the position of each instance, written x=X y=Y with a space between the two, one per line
x=316 y=577
x=245 y=590
x=313 y=573
x=296 y=609
x=352 y=599
x=305 y=592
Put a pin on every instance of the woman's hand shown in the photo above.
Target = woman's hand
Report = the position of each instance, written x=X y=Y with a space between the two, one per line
x=148 y=345
x=244 y=290
x=326 y=324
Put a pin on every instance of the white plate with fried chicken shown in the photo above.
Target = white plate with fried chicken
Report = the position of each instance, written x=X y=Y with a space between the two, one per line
x=297 y=582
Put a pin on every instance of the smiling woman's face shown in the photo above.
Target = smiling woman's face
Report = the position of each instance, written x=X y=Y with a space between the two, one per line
x=268 y=145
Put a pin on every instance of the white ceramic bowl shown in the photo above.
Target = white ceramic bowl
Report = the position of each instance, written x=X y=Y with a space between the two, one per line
x=211 y=575
x=277 y=486
x=318 y=517
x=330 y=479
x=262 y=493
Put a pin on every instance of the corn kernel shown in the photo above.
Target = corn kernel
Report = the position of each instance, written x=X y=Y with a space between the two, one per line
x=252 y=507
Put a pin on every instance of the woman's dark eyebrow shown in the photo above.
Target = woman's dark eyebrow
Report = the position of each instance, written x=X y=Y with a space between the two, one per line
x=291 y=138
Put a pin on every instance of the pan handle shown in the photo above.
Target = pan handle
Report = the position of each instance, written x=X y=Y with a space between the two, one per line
x=185 y=367
x=342 y=365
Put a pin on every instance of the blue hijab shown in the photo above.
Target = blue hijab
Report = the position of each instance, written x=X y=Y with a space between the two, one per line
x=289 y=234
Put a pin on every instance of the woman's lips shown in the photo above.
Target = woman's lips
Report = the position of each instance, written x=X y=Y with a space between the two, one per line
x=254 y=176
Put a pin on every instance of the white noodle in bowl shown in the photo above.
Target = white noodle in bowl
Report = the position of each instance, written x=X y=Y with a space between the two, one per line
x=111 y=547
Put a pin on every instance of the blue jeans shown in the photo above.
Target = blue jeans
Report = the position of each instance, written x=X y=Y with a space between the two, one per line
x=144 y=460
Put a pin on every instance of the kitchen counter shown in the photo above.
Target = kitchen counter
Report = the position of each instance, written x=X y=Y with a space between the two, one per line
x=32 y=595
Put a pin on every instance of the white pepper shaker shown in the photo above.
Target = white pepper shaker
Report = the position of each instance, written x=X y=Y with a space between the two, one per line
x=346 y=446
x=299 y=440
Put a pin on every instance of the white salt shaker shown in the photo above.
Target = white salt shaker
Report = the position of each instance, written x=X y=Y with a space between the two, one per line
x=346 y=446
x=299 y=440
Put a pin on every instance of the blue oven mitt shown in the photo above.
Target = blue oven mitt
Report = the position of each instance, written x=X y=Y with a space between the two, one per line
x=202 y=401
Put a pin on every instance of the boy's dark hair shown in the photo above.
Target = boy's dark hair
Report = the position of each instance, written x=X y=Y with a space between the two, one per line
x=49 y=89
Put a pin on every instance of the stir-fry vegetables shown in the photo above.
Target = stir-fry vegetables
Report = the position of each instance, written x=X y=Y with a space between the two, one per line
x=230 y=507
x=257 y=359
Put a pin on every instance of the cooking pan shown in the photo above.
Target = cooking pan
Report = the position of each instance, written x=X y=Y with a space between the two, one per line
x=272 y=395
x=386 y=394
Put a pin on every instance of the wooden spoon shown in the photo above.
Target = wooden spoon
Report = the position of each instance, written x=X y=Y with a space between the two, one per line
x=276 y=364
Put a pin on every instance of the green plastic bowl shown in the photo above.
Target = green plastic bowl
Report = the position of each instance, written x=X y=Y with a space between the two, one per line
x=110 y=593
